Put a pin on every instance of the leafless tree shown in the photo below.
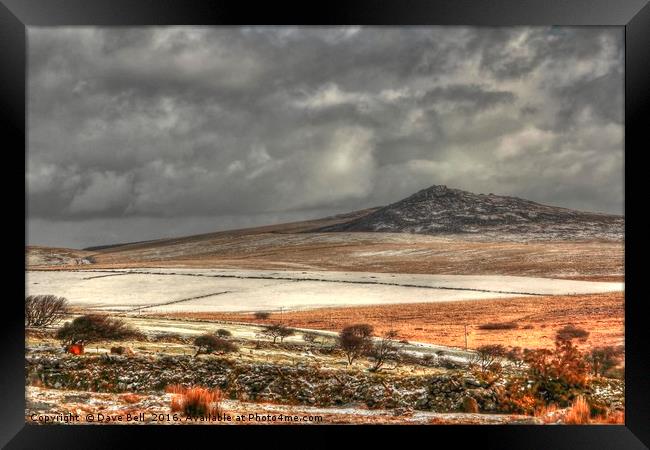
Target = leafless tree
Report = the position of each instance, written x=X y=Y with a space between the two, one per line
x=487 y=356
x=602 y=359
x=277 y=331
x=385 y=349
x=355 y=341
x=44 y=310
x=208 y=343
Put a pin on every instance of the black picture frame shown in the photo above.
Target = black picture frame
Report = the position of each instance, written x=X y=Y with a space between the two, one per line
x=633 y=15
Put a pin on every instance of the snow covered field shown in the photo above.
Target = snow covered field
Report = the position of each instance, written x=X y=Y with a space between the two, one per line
x=225 y=290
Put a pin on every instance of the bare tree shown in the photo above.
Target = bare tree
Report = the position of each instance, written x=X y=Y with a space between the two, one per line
x=208 y=343
x=384 y=350
x=277 y=331
x=44 y=310
x=355 y=341
x=487 y=356
x=602 y=359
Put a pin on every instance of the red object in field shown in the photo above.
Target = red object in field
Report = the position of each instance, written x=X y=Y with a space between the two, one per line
x=76 y=349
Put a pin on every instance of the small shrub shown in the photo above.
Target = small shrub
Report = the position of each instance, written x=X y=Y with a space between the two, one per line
x=498 y=326
x=96 y=327
x=208 y=343
x=197 y=401
x=470 y=405
x=262 y=315
x=570 y=332
x=223 y=333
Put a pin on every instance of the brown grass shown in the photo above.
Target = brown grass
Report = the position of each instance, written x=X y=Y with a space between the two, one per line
x=287 y=246
x=539 y=318
x=498 y=326
x=579 y=413
x=196 y=401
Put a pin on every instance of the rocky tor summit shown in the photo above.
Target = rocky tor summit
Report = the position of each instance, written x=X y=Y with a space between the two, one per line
x=440 y=210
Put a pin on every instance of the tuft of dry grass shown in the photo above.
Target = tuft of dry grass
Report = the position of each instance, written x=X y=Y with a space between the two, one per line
x=615 y=418
x=579 y=412
x=548 y=413
x=175 y=389
x=196 y=401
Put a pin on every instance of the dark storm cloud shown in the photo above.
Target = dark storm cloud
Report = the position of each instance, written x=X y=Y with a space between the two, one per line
x=138 y=132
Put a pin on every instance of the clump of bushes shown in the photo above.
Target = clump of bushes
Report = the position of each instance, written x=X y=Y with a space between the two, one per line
x=96 y=327
x=207 y=343
x=43 y=310
x=498 y=326
x=552 y=376
x=569 y=332
x=262 y=315
x=196 y=401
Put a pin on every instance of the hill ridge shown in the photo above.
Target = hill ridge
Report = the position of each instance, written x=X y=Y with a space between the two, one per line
x=439 y=209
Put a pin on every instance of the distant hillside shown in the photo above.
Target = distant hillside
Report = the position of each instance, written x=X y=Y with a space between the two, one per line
x=441 y=210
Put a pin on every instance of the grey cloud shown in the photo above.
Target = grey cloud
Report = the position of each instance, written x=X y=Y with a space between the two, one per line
x=155 y=125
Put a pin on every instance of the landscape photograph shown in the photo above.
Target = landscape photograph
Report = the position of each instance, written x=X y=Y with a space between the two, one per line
x=325 y=225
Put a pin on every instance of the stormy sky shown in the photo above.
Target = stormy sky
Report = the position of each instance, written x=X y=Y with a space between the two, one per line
x=149 y=132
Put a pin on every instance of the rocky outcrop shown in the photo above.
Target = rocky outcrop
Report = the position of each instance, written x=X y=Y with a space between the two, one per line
x=442 y=210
